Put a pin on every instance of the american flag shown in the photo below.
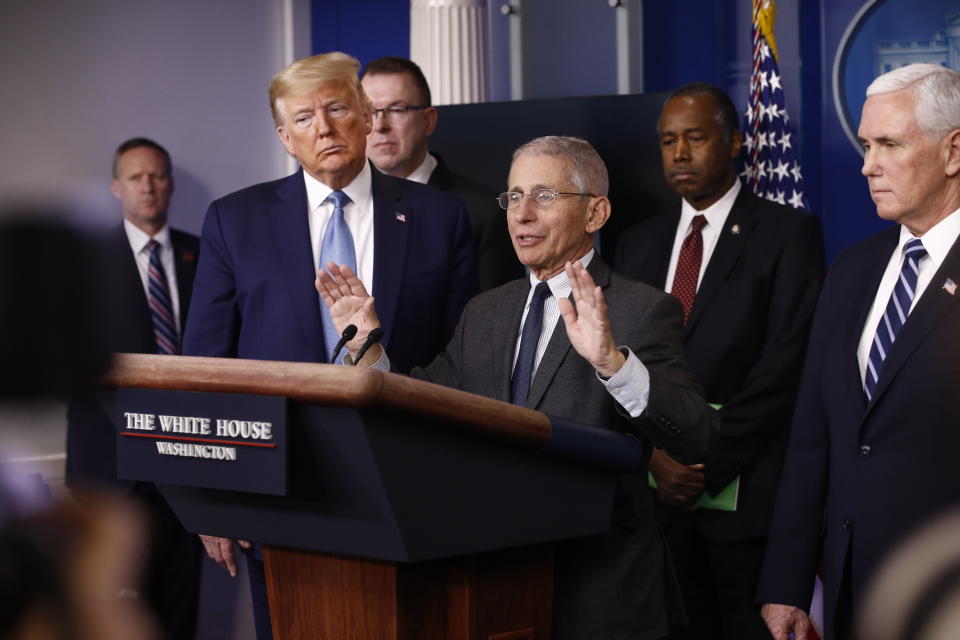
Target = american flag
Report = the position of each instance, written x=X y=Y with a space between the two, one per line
x=771 y=168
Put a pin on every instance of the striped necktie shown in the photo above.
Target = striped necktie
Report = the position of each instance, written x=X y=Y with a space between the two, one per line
x=161 y=306
x=337 y=247
x=895 y=315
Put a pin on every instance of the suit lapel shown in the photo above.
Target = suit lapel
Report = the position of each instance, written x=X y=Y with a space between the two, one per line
x=391 y=225
x=291 y=229
x=932 y=306
x=861 y=299
x=441 y=177
x=132 y=298
x=506 y=328
x=737 y=228
x=185 y=263
x=559 y=345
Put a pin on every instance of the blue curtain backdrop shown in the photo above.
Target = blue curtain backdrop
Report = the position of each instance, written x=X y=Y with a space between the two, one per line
x=694 y=40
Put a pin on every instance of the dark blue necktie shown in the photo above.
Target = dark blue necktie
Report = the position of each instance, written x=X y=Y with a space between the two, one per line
x=337 y=247
x=895 y=315
x=161 y=306
x=529 y=338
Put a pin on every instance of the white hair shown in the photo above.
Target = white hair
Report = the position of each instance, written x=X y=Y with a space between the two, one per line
x=585 y=168
x=937 y=90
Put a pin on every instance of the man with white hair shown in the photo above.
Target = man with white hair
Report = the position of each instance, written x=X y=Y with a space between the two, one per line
x=873 y=447
x=579 y=342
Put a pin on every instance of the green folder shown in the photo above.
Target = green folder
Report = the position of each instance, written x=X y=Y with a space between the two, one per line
x=725 y=500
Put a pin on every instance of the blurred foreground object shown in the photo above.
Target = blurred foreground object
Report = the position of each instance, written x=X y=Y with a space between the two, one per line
x=915 y=595
x=64 y=568
x=50 y=337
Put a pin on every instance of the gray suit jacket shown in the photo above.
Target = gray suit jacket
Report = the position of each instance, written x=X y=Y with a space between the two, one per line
x=618 y=585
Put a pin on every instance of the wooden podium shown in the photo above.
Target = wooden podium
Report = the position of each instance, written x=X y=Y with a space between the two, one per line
x=412 y=511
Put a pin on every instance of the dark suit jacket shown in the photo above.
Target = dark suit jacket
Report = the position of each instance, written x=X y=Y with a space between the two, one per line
x=496 y=260
x=91 y=437
x=618 y=585
x=255 y=297
x=859 y=477
x=745 y=340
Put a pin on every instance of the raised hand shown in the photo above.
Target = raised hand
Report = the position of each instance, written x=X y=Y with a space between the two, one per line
x=588 y=326
x=348 y=302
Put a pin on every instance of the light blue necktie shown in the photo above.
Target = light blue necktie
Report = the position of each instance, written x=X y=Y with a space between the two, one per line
x=337 y=247
x=895 y=315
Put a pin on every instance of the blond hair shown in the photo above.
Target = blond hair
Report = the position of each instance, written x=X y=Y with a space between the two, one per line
x=309 y=74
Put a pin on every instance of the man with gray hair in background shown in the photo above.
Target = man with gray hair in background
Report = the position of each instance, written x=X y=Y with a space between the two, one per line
x=578 y=342
x=872 y=451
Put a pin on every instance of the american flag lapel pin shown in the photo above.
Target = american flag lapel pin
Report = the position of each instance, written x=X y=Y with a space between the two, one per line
x=401 y=217
x=950 y=287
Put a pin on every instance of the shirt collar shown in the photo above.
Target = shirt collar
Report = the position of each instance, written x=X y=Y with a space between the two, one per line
x=560 y=283
x=360 y=190
x=139 y=238
x=938 y=240
x=422 y=173
x=716 y=213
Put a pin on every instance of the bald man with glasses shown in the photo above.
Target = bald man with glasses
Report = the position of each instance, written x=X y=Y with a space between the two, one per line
x=403 y=119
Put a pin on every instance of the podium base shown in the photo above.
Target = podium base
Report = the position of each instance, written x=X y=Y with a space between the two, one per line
x=501 y=595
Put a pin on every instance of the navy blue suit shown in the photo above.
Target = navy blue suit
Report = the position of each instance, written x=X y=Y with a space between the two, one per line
x=172 y=572
x=861 y=476
x=255 y=296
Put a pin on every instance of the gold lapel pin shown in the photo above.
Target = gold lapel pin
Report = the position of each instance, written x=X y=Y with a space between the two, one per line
x=735 y=229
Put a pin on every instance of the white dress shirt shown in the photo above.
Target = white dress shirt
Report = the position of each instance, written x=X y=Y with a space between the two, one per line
x=358 y=214
x=422 y=173
x=716 y=215
x=630 y=386
x=139 y=240
x=937 y=241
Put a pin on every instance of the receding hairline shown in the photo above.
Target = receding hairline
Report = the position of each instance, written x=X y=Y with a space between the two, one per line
x=582 y=161
x=141 y=143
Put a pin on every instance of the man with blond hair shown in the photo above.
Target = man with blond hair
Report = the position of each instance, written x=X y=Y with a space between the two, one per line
x=872 y=451
x=578 y=342
x=261 y=246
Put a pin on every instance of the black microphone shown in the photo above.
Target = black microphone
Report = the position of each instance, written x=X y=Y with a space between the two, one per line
x=372 y=338
x=345 y=337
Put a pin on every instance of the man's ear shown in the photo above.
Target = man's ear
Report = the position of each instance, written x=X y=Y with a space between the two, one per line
x=598 y=213
x=285 y=139
x=115 y=187
x=430 y=113
x=736 y=141
x=952 y=152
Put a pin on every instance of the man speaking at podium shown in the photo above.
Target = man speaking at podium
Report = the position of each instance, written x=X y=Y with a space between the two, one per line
x=614 y=361
x=254 y=295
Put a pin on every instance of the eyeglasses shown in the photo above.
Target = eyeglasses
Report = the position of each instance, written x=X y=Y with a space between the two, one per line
x=543 y=198
x=396 y=111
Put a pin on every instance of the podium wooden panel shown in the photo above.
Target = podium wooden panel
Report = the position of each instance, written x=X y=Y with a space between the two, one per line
x=492 y=596
x=413 y=511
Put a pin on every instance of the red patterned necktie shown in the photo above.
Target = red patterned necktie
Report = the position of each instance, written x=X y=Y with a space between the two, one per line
x=688 y=266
